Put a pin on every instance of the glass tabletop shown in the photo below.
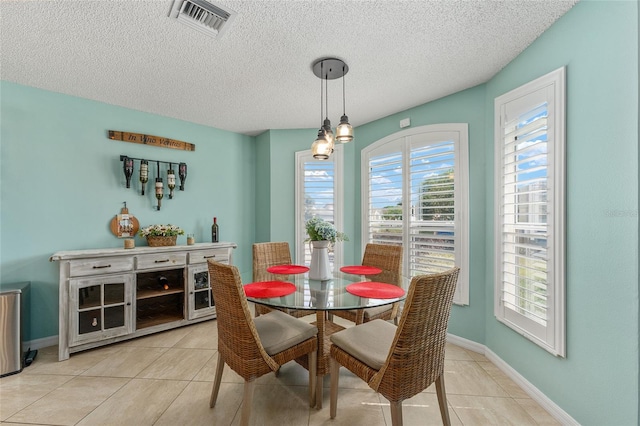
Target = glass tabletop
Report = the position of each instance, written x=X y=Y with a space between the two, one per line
x=325 y=295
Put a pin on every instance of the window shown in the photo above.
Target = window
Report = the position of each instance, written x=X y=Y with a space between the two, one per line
x=529 y=211
x=415 y=194
x=318 y=193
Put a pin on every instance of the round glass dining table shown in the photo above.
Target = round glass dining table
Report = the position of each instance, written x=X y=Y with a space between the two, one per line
x=322 y=297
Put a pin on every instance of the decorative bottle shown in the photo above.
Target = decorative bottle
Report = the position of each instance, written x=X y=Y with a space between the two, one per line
x=159 y=191
x=144 y=173
x=214 y=230
x=171 y=182
x=128 y=170
x=182 y=174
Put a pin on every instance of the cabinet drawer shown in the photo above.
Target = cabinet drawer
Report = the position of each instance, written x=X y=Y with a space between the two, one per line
x=148 y=261
x=201 y=256
x=104 y=265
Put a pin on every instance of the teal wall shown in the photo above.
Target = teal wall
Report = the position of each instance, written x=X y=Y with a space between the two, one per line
x=598 y=381
x=62 y=183
x=263 y=188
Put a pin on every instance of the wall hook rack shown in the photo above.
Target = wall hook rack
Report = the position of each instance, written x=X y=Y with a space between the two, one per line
x=128 y=169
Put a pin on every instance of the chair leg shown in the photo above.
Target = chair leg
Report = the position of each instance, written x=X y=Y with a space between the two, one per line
x=313 y=365
x=319 y=391
x=442 y=400
x=247 y=401
x=333 y=399
x=216 y=381
x=396 y=413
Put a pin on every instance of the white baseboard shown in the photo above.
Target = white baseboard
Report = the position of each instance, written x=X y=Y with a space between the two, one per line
x=545 y=402
x=40 y=343
x=466 y=344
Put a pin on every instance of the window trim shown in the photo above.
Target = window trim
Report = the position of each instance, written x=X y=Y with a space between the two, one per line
x=555 y=339
x=401 y=141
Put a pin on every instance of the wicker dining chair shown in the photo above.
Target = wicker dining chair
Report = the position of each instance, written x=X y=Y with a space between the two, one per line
x=254 y=347
x=264 y=256
x=401 y=361
x=388 y=258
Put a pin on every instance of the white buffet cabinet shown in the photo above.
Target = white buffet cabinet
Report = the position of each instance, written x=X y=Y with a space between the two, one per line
x=110 y=295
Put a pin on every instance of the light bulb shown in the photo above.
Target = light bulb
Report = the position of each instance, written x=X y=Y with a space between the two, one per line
x=344 y=131
x=321 y=149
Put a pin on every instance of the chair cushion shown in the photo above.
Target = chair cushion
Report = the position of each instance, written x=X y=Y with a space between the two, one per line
x=371 y=312
x=279 y=331
x=369 y=342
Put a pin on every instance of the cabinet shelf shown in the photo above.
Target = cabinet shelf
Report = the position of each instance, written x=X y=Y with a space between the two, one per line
x=142 y=294
x=157 y=319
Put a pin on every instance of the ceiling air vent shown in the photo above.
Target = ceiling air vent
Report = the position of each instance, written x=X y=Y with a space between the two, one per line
x=202 y=16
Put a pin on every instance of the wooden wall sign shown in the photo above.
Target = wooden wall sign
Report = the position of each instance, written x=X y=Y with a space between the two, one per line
x=150 y=140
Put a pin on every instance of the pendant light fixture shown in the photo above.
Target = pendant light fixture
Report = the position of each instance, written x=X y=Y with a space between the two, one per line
x=329 y=69
x=322 y=147
x=344 y=131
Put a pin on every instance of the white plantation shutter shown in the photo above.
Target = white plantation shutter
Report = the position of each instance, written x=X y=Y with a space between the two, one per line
x=432 y=230
x=415 y=193
x=385 y=199
x=524 y=188
x=530 y=211
x=318 y=193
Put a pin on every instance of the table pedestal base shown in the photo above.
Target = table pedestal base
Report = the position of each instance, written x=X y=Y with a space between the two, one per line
x=325 y=329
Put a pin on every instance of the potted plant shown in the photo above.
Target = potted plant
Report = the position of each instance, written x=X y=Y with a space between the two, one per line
x=161 y=235
x=319 y=229
x=321 y=235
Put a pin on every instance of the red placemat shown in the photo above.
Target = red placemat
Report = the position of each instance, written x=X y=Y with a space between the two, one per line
x=361 y=270
x=375 y=290
x=264 y=289
x=287 y=269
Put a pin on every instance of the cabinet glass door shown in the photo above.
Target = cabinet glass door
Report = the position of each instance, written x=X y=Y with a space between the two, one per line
x=201 y=301
x=100 y=308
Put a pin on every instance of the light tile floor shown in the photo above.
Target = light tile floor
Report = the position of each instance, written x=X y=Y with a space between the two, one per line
x=166 y=379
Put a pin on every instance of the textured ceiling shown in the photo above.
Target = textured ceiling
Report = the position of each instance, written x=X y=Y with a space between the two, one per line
x=258 y=75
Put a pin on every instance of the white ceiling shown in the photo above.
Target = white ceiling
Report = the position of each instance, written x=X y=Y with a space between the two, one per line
x=258 y=75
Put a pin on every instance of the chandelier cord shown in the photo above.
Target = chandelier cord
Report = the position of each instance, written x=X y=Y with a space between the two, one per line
x=321 y=94
x=326 y=98
x=344 y=107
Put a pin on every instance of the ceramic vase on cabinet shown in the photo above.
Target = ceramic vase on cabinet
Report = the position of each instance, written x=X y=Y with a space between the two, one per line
x=320 y=268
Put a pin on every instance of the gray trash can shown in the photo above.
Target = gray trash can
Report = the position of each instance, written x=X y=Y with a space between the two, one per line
x=12 y=310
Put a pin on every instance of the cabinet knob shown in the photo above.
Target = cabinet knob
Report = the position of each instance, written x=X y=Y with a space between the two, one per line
x=102 y=267
x=207 y=257
x=162 y=261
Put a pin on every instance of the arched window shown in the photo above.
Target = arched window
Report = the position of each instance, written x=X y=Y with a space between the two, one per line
x=416 y=193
